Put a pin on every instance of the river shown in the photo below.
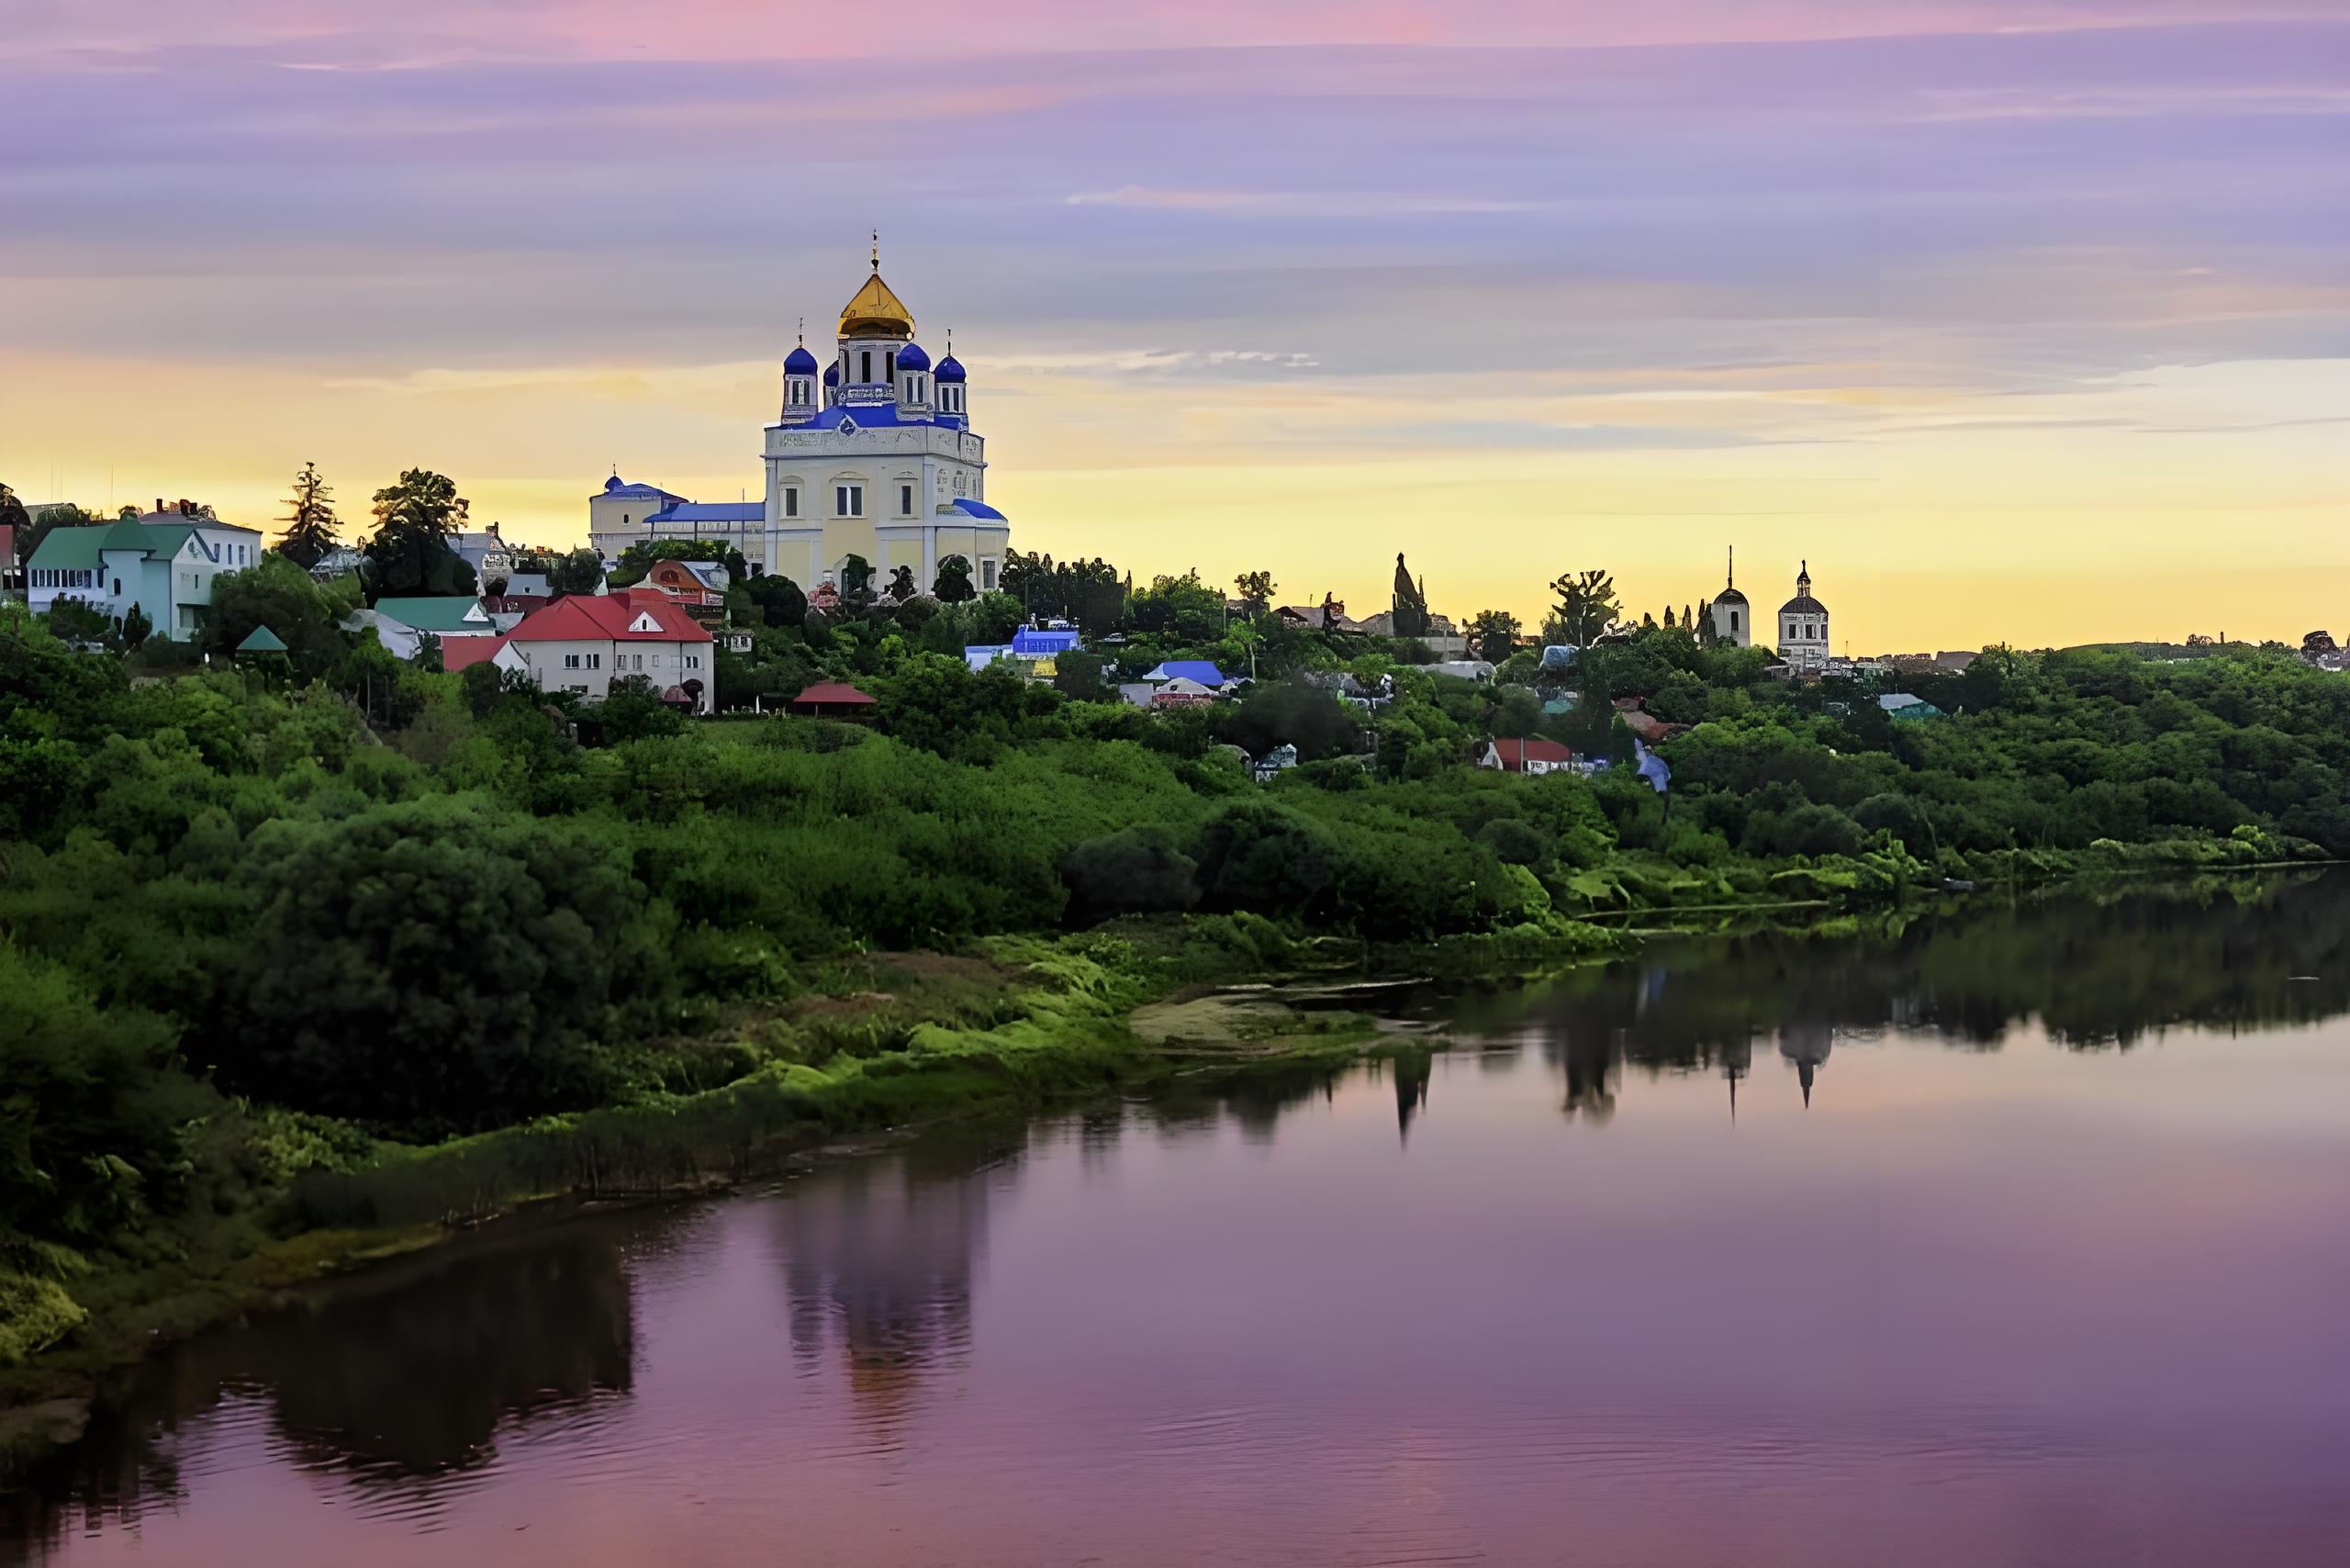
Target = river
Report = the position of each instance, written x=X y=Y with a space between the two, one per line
x=2017 y=1235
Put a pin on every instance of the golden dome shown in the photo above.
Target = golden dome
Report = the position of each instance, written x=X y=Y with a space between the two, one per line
x=876 y=312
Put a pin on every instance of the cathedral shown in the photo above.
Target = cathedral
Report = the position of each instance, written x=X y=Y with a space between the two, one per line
x=871 y=455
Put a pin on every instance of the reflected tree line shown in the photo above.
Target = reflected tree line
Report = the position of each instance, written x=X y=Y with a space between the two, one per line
x=404 y=1380
x=2096 y=973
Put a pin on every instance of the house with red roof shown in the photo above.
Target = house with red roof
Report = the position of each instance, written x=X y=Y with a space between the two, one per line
x=1531 y=754
x=585 y=642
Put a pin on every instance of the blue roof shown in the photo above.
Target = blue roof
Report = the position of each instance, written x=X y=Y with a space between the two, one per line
x=1028 y=639
x=868 y=415
x=832 y=374
x=980 y=510
x=800 y=362
x=1200 y=670
x=949 y=369
x=712 y=511
x=622 y=489
x=912 y=357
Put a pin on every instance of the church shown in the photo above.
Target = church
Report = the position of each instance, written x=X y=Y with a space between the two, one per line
x=871 y=455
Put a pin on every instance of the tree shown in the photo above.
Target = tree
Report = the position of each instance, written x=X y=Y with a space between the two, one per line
x=638 y=558
x=901 y=583
x=953 y=584
x=857 y=581
x=1587 y=608
x=136 y=626
x=309 y=519
x=303 y=612
x=415 y=519
x=1495 y=633
x=438 y=963
x=1183 y=610
x=1256 y=590
x=578 y=572
x=77 y=621
x=779 y=600
x=1135 y=872
x=1078 y=676
x=12 y=511
x=64 y=514
x=1289 y=713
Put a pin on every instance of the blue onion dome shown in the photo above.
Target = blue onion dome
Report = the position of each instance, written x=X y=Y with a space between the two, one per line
x=832 y=374
x=910 y=357
x=613 y=483
x=800 y=362
x=949 y=369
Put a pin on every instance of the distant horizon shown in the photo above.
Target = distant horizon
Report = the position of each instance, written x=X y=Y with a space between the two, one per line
x=2018 y=329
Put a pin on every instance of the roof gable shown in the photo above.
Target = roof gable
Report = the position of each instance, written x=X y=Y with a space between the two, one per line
x=611 y=618
x=436 y=613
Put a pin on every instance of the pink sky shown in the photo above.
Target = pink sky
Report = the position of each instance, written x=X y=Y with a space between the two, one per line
x=2019 y=320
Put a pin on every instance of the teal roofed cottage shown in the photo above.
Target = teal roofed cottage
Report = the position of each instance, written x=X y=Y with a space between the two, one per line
x=164 y=568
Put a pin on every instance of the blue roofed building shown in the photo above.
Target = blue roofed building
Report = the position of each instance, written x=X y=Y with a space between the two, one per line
x=1042 y=639
x=1203 y=671
x=871 y=454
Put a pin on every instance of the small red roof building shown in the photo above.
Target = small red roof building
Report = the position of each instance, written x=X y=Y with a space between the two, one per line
x=1513 y=754
x=833 y=700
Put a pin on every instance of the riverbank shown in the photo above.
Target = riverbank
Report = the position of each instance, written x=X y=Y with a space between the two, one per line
x=888 y=1043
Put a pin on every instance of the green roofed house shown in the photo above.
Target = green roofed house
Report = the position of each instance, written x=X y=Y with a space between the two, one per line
x=1902 y=706
x=261 y=640
x=403 y=624
x=164 y=563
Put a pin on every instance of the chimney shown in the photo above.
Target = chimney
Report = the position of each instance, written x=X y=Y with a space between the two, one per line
x=159 y=505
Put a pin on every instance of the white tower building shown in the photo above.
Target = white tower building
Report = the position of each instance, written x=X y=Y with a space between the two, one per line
x=1733 y=621
x=1802 y=627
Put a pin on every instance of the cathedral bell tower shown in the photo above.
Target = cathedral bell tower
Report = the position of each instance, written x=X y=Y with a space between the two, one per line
x=875 y=325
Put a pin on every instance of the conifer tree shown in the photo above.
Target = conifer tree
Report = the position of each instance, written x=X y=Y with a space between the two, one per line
x=309 y=520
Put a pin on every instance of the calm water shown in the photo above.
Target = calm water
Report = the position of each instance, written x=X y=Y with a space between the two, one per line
x=2052 y=1268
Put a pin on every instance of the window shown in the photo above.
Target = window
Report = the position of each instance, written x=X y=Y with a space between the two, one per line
x=571 y=661
x=848 y=500
x=890 y=365
x=1733 y=620
x=987 y=577
x=791 y=501
x=905 y=501
x=595 y=661
x=866 y=366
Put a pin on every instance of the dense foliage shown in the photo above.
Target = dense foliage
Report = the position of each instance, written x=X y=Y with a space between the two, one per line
x=342 y=885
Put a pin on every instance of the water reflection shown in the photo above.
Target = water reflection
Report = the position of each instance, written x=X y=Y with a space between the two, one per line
x=397 y=1381
x=2094 y=973
x=410 y=1393
x=879 y=1258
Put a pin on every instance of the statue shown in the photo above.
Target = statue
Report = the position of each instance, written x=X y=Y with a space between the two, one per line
x=901 y=583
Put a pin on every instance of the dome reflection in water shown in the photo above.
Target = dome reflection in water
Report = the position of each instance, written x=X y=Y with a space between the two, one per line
x=2000 y=1235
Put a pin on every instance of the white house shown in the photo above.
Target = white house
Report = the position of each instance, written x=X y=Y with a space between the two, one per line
x=585 y=642
x=163 y=564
